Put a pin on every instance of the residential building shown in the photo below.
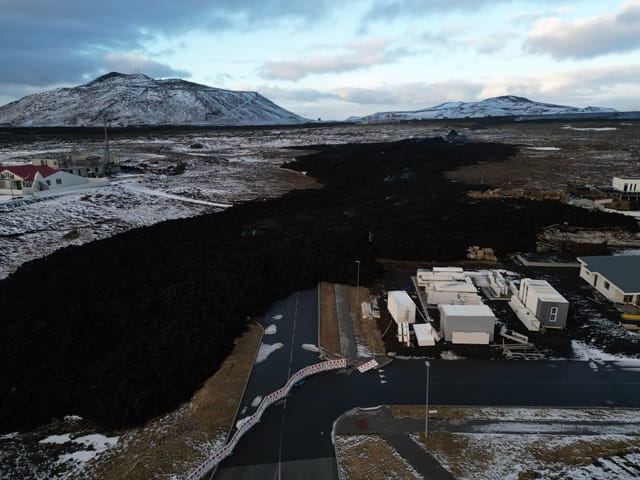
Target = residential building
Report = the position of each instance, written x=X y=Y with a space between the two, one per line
x=615 y=277
x=26 y=179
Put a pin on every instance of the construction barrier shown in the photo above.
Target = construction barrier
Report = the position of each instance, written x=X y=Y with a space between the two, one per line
x=246 y=423
x=365 y=367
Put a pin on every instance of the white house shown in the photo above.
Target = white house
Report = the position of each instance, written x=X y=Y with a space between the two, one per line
x=26 y=179
x=626 y=184
x=615 y=277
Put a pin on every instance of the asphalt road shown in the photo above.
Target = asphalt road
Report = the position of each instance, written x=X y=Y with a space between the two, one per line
x=293 y=439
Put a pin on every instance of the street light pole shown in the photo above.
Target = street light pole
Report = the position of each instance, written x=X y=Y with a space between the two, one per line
x=426 y=404
x=358 y=285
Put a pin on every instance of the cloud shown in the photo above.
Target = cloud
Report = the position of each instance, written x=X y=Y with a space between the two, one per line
x=390 y=9
x=587 y=37
x=385 y=10
x=360 y=55
x=580 y=87
x=415 y=95
x=44 y=42
x=492 y=43
x=617 y=87
x=130 y=63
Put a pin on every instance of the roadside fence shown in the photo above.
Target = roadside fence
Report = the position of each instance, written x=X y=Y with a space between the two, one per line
x=246 y=423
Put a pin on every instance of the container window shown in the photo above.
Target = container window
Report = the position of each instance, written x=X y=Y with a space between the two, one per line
x=553 y=316
x=606 y=285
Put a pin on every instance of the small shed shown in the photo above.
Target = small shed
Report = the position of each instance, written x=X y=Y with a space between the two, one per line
x=401 y=307
x=548 y=306
x=467 y=323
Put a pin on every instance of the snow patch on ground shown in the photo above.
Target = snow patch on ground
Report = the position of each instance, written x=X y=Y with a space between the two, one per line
x=310 y=347
x=589 y=129
x=449 y=355
x=277 y=317
x=256 y=401
x=57 y=439
x=582 y=351
x=271 y=330
x=544 y=149
x=266 y=350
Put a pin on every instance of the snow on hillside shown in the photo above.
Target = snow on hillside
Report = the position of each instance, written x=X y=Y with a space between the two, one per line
x=505 y=106
x=139 y=100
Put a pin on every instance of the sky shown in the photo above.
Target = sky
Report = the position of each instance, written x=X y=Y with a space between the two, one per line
x=332 y=59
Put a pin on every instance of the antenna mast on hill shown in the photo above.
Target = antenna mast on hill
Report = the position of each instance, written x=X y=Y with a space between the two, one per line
x=106 y=141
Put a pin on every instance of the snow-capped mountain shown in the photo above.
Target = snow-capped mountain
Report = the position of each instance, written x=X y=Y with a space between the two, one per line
x=140 y=100
x=506 y=106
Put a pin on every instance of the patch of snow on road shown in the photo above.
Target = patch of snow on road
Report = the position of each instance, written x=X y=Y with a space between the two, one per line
x=271 y=330
x=277 y=317
x=266 y=350
x=544 y=149
x=256 y=401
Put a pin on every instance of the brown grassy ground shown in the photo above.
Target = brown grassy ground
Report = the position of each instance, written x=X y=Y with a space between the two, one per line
x=177 y=442
x=366 y=457
x=367 y=332
x=329 y=336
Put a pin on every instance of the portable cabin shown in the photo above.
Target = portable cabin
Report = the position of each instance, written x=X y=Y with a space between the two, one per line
x=544 y=301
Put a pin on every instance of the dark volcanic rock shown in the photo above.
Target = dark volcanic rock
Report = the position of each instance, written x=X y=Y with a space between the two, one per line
x=126 y=328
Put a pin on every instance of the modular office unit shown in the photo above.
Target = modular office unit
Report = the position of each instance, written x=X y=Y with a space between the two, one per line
x=548 y=306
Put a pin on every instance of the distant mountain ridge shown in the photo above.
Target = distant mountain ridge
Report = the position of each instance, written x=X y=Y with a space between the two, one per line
x=504 y=106
x=138 y=100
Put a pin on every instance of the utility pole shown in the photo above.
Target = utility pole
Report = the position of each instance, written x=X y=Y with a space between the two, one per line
x=106 y=143
x=426 y=404
x=358 y=286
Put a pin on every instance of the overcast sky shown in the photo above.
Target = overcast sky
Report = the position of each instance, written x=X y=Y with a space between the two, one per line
x=334 y=58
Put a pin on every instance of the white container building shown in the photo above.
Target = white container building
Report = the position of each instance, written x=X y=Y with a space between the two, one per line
x=439 y=274
x=452 y=292
x=470 y=324
x=401 y=307
x=547 y=305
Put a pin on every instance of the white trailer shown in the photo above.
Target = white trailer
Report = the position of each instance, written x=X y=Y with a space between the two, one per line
x=401 y=307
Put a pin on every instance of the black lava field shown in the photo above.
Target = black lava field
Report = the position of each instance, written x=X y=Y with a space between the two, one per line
x=126 y=328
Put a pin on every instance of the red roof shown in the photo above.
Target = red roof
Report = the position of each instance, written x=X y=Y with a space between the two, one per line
x=28 y=172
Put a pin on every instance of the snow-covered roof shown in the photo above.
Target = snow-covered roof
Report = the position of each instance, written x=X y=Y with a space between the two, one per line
x=28 y=172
